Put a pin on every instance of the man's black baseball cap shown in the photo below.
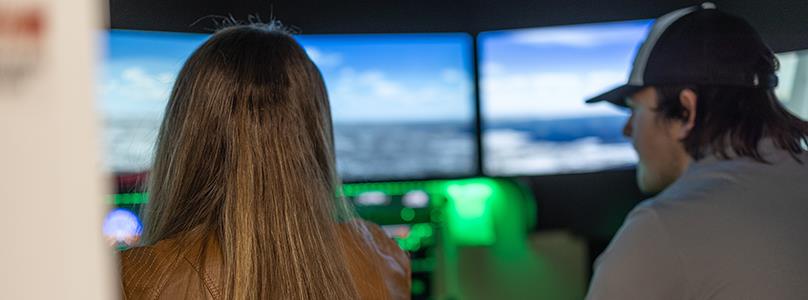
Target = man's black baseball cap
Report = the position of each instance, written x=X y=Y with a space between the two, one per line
x=696 y=45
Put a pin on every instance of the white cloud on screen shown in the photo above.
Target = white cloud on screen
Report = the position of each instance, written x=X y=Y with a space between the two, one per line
x=324 y=59
x=137 y=84
x=578 y=37
x=373 y=95
x=134 y=92
x=492 y=69
x=547 y=95
x=373 y=83
x=451 y=75
x=366 y=95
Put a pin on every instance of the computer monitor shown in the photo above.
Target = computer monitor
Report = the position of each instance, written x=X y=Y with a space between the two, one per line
x=402 y=104
x=533 y=84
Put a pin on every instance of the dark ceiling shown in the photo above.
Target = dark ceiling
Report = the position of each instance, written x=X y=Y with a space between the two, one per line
x=781 y=22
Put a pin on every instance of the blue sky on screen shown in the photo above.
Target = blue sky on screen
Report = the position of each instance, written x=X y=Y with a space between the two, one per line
x=413 y=77
x=139 y=69
x=546 y=73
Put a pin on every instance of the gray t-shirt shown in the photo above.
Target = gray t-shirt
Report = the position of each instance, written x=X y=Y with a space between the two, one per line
x=726 y=229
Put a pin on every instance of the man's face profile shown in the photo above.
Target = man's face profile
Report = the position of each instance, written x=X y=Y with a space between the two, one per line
x=657 y=140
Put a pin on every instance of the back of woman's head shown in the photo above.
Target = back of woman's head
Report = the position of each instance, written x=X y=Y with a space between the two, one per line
x=245 y=152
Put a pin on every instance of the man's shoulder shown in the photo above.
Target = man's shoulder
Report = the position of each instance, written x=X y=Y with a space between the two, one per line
x=702 y=183
x=725 y=184
x=674 y=210
x=714 y=177
x=727 y=188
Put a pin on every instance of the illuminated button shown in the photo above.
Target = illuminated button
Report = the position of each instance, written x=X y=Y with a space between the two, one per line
x=122 y=226
x=407 y=214
x=397 y=231
x=372 y=199
x=416 y=199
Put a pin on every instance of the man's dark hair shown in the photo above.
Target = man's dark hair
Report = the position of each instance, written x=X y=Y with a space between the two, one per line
x=733 y=120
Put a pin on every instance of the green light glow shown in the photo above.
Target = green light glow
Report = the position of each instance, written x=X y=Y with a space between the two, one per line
x=129 y=199
x=418 y=287
x=419 y=235
x=468 y=213
x=423 y=230
x=431 y=187
x=470 y=199
x=470 y=219
x=462 y=213
x=423 y=265
x=407 y=214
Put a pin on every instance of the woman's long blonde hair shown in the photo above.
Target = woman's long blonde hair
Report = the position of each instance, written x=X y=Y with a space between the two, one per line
x=245 y=152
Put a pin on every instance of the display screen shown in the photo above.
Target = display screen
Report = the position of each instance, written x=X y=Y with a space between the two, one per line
x=402 y=104
x=793 y=84
x=533 y=85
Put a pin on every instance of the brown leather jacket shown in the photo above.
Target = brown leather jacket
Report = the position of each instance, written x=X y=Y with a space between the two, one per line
x=162 y=271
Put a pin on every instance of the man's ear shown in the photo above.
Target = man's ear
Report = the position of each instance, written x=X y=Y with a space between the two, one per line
x=688 y=98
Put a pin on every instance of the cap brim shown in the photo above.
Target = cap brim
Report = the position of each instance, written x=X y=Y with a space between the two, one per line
x=616 y=96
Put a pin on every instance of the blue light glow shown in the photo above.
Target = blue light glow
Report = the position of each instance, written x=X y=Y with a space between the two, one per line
x=122 y=226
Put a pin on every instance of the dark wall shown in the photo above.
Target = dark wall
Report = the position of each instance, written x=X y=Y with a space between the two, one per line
x=597 y=202
x=592 y=206
x=781 y=22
